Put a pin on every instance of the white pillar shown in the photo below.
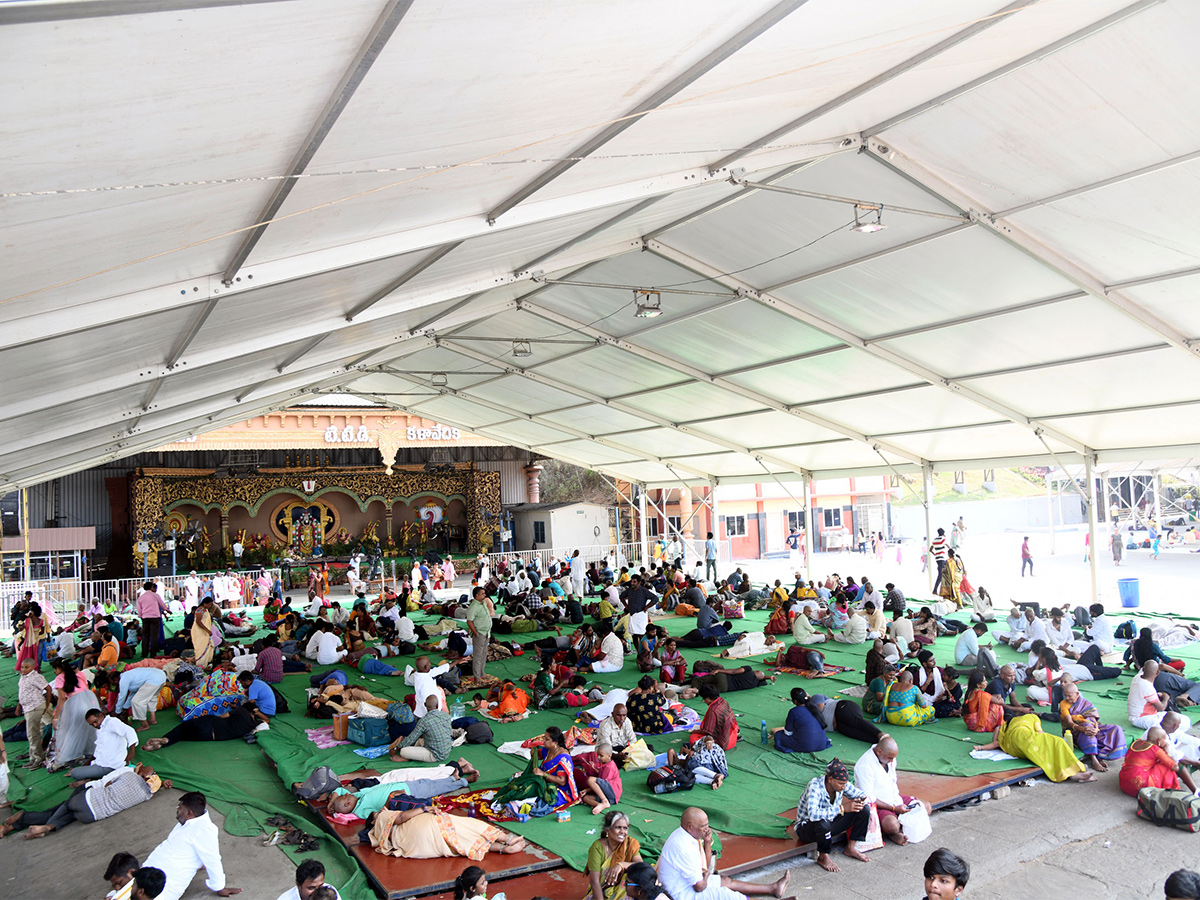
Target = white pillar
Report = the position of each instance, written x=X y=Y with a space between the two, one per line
x=715 y=518
x=1156 y=484
x=1050 y=509
x=931 y=571
x=809 y=525
x=643 y=532
x=1090 y=481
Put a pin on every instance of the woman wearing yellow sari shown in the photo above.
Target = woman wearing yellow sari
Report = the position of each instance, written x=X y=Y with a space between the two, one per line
x=1023 y=736
x=952 y=576
x=202 y=642
x=610 y=856
x=901 y=703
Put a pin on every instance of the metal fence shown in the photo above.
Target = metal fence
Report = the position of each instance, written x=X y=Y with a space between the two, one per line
x=64 y=596
x=624 y=554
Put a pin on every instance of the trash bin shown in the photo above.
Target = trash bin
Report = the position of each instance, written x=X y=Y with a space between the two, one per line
x=1128 y=589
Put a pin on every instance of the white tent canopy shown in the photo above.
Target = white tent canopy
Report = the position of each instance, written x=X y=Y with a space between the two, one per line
x=214 y=209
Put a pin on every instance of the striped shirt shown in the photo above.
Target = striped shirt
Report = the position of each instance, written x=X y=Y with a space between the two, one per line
x=269 y=665
x=117 y=791
x=939 y=548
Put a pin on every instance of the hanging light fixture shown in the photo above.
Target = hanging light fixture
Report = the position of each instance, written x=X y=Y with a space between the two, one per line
x=867 y=226
x=649 y=304
x=522 y=349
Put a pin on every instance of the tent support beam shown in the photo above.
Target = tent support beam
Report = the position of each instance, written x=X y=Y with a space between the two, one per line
x=764 y=23
x=621 y=407
x=1073 y=38
x=1089 y=474
x=907 y=167
x=716 y=381
x=813 y=320
x=882 y=78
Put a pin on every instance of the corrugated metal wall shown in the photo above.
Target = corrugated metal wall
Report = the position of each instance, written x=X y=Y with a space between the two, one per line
x=512 y=478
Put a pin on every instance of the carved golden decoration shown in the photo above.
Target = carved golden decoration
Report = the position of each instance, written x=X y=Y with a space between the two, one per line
x=157 y=494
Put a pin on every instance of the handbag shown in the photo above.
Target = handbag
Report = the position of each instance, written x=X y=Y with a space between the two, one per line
x=368 y=732
x=874 y=838
x=341 y=722
x=1179 y=809
x=322 y=780
x=370 y=711
x=638 y=755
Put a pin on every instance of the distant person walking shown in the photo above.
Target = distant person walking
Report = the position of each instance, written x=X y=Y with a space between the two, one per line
x=938 y=548
x=1118 y=546
x=1026 y=557
x=710 y=558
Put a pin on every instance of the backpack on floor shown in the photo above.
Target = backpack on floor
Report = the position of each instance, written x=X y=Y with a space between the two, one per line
x=669 y=779
x=322 y=780
x=1179 y=809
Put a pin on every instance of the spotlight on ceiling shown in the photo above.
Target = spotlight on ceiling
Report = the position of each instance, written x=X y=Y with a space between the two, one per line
x=522 y=349
x=649 y=304
x=867 y=226
x=438 y=379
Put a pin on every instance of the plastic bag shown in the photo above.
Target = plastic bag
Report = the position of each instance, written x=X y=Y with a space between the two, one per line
x=638 y=755
x=915 y=824
x=874 y=839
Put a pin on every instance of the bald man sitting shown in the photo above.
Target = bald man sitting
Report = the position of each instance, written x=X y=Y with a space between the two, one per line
x=687 y=865
x=875 y=773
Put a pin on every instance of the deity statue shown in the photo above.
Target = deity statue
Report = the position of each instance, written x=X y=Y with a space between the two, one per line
x=369 y=534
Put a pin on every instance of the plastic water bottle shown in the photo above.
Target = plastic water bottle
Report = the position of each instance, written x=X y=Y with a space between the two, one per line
x=766 y=737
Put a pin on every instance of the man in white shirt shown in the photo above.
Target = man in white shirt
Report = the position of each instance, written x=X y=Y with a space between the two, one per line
x=1147 y=705
x=854 y=631
x=870 y=594
x=64 y=644
x=314 y=641
x=577 y=576
x=1014 y=628
x=191 y=591
x=238 y=549
x=1058 y=633
x=1035 y=630
x=1099 y=632
x=1182 y=746
x=315 y=605
x=115 y=743
x=687 y=865
x=875 y=773
x=329 y=646
x=900 y=630
x=423 y=681
x=391 y=611
x=612 y=650
x=616 y=731
x=191 y=845
x=338 y=615
x=310 y=875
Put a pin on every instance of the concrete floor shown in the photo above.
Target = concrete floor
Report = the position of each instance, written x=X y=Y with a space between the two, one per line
x=1044 y=840
x=70 y=864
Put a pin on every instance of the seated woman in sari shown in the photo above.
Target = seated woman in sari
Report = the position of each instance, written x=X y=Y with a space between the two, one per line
x=1023 y=736
x=982 y=711
x=219 y=684
x=421 y=834
x=904 y=704
x=1148 y=764
x=872 y=701
x=781 y=620
x=925 y=626
x=1079 y=716
x=674 y=666
x=556 y=767
x=609 y=856
x=1144 y=647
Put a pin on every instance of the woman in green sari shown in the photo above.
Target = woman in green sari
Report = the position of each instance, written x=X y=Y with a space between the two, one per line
x=610 y=856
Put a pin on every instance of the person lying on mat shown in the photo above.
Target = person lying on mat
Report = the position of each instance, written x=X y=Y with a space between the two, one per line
x=727 y=680
x=420 y=834
x=1023 y=736
x=687 y=865
x=372 y=799
x=119 y=790
x=750 y=643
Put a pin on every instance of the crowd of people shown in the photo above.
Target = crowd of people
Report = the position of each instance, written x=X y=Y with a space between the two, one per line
x=221 y=671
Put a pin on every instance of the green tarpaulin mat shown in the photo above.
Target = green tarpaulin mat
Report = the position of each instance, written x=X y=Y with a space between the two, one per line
x=249 y=782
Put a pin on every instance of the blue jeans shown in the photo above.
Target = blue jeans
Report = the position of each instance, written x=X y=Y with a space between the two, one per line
x=372 y=666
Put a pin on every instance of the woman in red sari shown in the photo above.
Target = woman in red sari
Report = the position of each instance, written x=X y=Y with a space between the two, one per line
x=33 y=631
x=979 y=712
x=674 y=666
x=781 y=620
x=1147 y=764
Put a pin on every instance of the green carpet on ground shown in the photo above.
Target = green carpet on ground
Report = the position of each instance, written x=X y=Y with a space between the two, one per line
x=249 y=783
